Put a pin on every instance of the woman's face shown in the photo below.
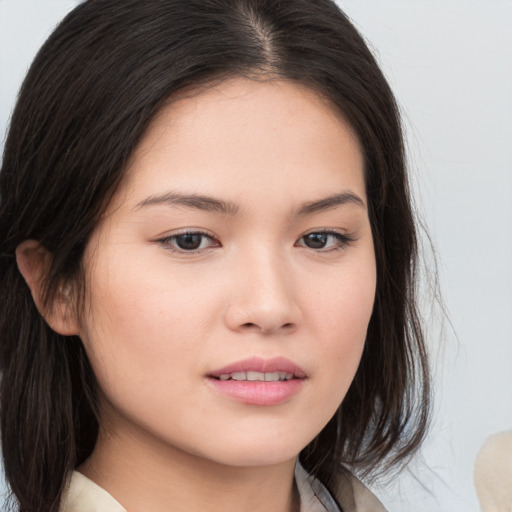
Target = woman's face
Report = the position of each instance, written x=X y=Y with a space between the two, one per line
x=236 y=254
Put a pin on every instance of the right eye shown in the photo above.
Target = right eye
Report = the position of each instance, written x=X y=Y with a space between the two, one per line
x=189 y=242
x=325 y=241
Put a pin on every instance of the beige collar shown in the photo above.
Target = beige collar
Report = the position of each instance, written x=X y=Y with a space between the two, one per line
x=85 y=496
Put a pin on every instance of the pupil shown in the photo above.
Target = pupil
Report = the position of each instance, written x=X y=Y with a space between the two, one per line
x=189 y=241
x=316 y=240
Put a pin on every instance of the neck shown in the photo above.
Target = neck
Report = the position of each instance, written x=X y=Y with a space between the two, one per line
x=141 y=474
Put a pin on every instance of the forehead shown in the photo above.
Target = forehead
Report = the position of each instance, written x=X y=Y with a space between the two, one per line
x=243 y=135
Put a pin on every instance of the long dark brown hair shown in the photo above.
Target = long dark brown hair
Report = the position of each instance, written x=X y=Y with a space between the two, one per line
x=89 y=96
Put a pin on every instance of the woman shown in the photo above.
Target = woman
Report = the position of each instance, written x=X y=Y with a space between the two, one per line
x=207 y=264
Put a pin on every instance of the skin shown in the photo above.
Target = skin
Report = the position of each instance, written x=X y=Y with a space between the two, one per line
x=159 y=319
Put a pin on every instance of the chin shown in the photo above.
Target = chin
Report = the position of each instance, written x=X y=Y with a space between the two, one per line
x=258 y=452
x=257 y=458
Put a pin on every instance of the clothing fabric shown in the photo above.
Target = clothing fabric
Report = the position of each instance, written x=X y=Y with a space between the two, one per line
x=84 y=495
x=493 y=473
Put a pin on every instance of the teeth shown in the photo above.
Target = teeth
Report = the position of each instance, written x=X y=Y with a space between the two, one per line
x=257 y=376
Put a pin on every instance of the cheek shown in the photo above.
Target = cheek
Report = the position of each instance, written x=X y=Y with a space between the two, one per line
x=342 y=312
x=344 y=303
x=144 y=319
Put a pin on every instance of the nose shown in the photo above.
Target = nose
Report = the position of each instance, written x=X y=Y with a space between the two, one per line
x=263 y=297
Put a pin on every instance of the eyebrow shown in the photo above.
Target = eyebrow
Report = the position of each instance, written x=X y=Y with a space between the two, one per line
x=213 y=205
x=198 y=202
x=329 y=203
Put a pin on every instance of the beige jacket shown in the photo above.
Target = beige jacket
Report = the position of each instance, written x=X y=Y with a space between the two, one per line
x=85 y=496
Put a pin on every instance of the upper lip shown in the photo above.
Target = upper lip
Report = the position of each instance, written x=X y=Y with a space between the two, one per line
x=257 y=364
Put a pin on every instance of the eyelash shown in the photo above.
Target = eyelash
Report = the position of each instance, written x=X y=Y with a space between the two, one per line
x=168 y=240
x=344 y=240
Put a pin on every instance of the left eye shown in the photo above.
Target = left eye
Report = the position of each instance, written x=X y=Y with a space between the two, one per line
x=189 y=242
x=324 y=240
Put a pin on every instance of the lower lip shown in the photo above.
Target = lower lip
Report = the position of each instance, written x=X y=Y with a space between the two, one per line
x=258 y=392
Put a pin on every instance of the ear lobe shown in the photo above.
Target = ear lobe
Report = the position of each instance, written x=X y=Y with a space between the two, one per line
x=34 y=263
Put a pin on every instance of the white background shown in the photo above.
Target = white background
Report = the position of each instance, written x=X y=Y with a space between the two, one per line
x=450 y=64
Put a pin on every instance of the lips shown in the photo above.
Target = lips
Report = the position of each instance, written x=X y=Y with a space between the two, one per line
x=257 y=376
x=257 y=381
x=258 y=365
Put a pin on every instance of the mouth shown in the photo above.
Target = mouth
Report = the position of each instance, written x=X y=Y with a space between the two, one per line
x=259 y=369
x=258 y=381
x=254 y=376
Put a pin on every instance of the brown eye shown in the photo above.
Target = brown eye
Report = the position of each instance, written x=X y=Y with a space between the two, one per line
x=189 y=241
x=316 y=240
x=325 y=241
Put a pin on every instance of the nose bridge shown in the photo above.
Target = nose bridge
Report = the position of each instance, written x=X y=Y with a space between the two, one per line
x=264 y=295
x=272 y=278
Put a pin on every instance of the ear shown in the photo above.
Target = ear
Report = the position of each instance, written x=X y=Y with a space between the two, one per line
x=34 y=264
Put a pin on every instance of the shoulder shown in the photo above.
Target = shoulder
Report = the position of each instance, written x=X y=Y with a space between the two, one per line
x=493 y=473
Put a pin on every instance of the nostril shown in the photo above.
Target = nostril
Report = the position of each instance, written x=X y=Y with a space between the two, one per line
x=255 y=326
